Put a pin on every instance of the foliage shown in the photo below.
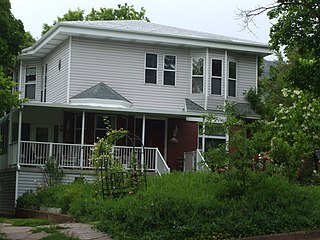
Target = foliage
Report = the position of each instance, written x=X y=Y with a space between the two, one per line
x=7 y=98
x=123 y=12
x=297 y=134
x=200 y=206
x=59 y=236
x=29 y=222
x=53 y=173
x=11 y=36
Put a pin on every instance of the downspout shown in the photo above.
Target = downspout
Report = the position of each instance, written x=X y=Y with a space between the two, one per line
x=226 y=66
x=82 y=137
x=69 y=71
x=257 y=72
x=206 y=80
x=206 y=97
x=225 y=76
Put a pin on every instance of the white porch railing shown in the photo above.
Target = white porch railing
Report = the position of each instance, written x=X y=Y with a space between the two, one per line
x=150 y=158
x=69 y=155
x=194 y=161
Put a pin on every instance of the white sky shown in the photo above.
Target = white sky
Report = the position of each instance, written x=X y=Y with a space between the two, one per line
x=213 y=16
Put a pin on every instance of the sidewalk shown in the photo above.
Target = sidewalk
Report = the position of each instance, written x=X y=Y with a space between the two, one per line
x=80 y=230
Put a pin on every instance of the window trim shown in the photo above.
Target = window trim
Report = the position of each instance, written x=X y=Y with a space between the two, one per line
x=203 y=75
x=148 y=68
x=34 y=82
x=221 y=77
x=233 y=79
x=169 y=70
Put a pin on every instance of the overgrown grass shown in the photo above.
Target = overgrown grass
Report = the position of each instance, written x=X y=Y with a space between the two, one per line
x=199 y=206
x=30 y=222
x=59 y=236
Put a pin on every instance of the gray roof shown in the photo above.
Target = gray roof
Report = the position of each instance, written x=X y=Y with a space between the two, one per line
x=100 y=91
x=192 y=106
x=139 y=26
x=245 y=109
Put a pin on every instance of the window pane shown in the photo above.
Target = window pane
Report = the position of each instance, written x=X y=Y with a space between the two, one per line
x=30 y=91
x=151 y=60
x=170 y=62
x=100 y=133
x=211 y=143
x=232 y=88
x=169 y=78
x=215 y=130
x=216 y=68
x=197 y=66
x=31 y=74
x=197 y=85
x=232 y=70
x=100 y=122
x=151 y=76
x=216 y=86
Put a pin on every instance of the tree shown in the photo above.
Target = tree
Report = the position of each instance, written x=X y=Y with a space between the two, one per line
x=12 y=36
x=7 y=98
x=297 y=31
x=297 y=24
x=123 y=12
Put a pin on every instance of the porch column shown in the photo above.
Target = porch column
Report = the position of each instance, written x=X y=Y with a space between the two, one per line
x=19 y=135
x=225 y=75
x=82 y=137
x=10 y=127
x=143 y=138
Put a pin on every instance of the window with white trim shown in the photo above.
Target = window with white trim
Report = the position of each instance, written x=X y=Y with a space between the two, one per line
x=213 y=136
x=100 y=128
x=151 y=68
x=197 y=75
x=216 y=77
x=30 y=82
x=232 y=80
x=78 y=127
x=169 y=70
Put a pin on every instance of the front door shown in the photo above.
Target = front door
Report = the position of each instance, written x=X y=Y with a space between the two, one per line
x=154 y=135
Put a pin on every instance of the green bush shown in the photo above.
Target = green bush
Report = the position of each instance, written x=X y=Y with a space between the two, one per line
x=198 y=206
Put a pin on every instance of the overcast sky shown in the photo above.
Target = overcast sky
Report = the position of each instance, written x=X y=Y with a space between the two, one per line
x=214 y=16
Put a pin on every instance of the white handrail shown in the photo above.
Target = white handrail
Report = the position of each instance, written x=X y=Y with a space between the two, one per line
x=161 y=164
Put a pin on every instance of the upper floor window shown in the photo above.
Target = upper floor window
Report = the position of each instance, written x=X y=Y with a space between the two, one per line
x=169 y=70
x=151 y=67
x=216 y=77
x=30 y=86
x=197 y=75
x=232 y=80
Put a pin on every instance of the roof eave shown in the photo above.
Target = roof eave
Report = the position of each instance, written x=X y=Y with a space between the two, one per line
x=65 y=29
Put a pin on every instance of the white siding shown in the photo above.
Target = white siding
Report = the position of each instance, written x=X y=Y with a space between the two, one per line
x=57 y=79
x=246 y=74
x=121 y=66
x=31 y=180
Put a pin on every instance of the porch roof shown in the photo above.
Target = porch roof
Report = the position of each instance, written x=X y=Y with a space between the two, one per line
x=131 y=110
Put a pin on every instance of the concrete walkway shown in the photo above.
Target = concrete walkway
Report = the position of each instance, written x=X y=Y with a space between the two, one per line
x=80 y=230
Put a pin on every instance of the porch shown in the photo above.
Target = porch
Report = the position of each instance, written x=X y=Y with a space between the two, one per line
x=77 y=156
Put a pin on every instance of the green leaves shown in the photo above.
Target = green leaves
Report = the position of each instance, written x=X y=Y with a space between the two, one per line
x=123 y=12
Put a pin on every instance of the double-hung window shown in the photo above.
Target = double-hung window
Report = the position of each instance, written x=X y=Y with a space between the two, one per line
x=197 y=75
x=232 y=80
x=151 y=68
x=214 y=136
x=216 y=77
x=30 y=86
x=169 y=70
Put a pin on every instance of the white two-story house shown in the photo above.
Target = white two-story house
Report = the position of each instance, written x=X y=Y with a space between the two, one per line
x=155 y=81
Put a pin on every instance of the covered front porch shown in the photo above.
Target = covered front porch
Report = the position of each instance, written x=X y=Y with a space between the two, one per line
x=37 y=133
